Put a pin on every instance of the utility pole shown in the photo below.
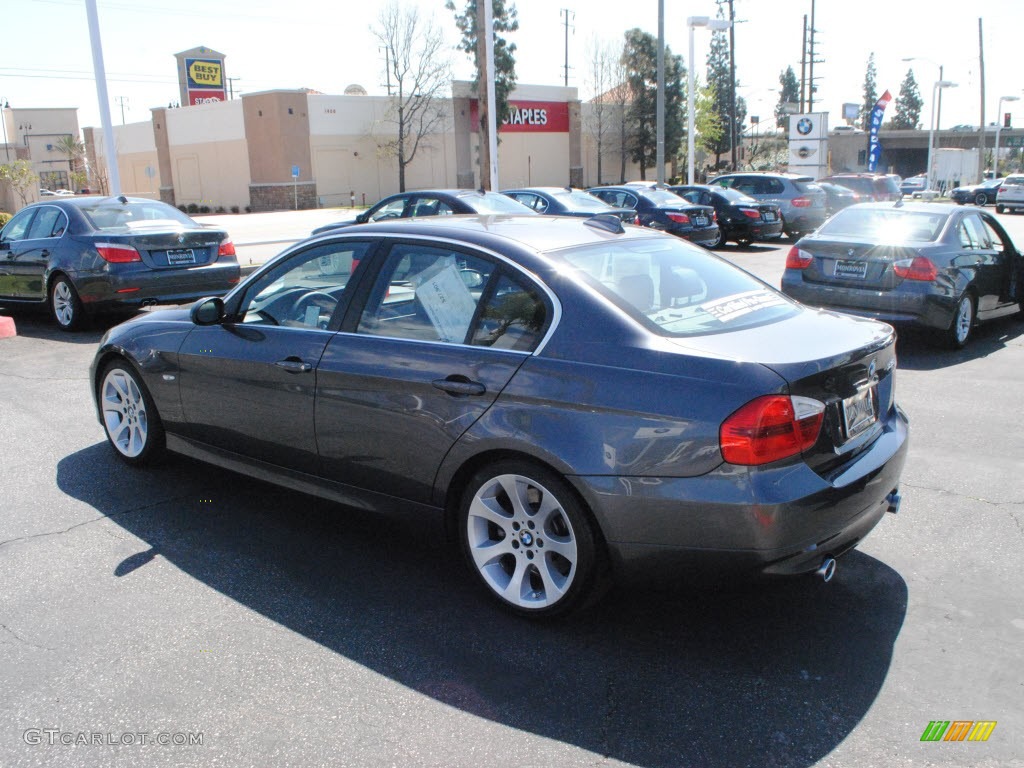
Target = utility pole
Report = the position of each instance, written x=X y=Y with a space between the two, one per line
x=387 y=65
x=732 y=81
x=659 y=104
x=803 y=67
x=981 y=132
x=565 y=12
x=122 y=100
x=810 y=88
x=231 y=87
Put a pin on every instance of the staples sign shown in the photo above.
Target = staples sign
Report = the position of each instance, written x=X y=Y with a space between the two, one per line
x=529 y=117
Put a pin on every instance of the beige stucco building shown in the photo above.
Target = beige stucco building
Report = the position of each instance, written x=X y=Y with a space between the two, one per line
x=32 y=135
x=242 y=153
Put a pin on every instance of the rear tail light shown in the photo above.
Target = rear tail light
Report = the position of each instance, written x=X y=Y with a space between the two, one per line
x=771 y=428
x=227 y=248
x=116 y=253
x=798 y=259
x=678 y=218
x=918 y=268
x=751 y=214
x=714 y=216
x=637 y=220
x=801 y=202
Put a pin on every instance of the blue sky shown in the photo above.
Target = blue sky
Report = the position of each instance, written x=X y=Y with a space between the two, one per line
x=328 y=45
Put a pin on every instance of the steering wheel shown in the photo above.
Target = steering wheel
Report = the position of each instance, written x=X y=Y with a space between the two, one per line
x=313 y=299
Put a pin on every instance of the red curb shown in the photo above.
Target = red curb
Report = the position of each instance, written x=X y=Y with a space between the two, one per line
x=7 y=328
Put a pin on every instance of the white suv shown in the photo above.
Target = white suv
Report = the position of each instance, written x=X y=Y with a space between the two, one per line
x=1010 y=196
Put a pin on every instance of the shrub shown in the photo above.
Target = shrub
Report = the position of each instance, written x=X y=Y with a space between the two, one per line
x=234 y=209
x=248 y=209
x=204 y=209
x=220 y=209
x=193 y=208
x=4 y=218
x=183 y=208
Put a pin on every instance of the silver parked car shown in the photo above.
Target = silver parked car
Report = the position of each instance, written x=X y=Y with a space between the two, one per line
x=801 y=201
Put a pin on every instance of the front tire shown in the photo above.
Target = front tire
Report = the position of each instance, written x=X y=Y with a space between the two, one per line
x=129 y=416
x=528 y=539
x=959 y=331
x=65 y=306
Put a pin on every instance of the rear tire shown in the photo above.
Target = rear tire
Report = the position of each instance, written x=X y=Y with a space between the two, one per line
x=981 y=199
x=999 y=208
x=65 y=306
x=718 y=242
x=959 y=331
x=528 y=539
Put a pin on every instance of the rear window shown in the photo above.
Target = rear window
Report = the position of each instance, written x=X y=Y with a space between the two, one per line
x=582 y=201
x=889 y=225
x=807 y=186
x=660 y=196
x=119 y=217
x=1014 y=181
x=676 y=289
x=492 y=202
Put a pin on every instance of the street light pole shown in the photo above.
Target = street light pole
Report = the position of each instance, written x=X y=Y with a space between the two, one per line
x=715 y=25
x=939 y=84
x=3 y=114
x=999 y=125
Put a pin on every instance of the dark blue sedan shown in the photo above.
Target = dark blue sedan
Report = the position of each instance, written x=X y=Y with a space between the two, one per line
x=82 y=255
x=571 y=397
x=666 y=211
x=566 y=201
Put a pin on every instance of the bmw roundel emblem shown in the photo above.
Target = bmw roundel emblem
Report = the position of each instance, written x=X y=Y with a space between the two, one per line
x=850 y=252
x=804 y=126
x=181 y=239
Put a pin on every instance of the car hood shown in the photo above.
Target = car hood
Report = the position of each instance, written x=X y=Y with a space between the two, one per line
x=809 y=342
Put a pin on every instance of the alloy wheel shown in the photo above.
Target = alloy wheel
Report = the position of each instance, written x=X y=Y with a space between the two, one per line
x=125 y=415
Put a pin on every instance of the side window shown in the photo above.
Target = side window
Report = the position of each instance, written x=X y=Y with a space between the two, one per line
x=539 y=204
x=18 y=226
x=998 y=243
x=729 y=182
x=628 y=201
x=305 y=291
x=392 y=210
x=425 y=293
x=965 y=236
x=692 y=195
x=772 y=187
x=978 y=233
x=49 y=222
x=513 y=317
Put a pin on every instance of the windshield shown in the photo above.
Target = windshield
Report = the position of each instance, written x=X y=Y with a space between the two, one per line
x=107 y=216
x=884 y=225
x=492 y=202
x=676 y=289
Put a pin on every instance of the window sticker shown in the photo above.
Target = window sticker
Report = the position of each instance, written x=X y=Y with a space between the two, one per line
x=731 y=307
x=448 y=303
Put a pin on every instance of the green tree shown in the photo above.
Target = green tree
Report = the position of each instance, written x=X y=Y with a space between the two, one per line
x=421 y=73
x=788 y=94
x=505 y=20
x=72 y=148
x=21 y=177
x=707 y=122
x=908 y=104
x=640 y=60
x=870 y=93
x=720 y=83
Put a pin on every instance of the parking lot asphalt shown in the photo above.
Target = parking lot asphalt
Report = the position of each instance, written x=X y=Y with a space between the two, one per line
x=285 y=630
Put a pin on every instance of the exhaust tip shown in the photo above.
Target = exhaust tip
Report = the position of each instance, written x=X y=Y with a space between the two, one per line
x=827 y=569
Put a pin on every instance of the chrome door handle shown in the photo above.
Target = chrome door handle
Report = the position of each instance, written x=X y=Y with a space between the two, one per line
x=293 y=365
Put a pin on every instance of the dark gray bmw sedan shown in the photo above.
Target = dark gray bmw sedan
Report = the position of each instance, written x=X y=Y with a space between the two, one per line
x=574 y=397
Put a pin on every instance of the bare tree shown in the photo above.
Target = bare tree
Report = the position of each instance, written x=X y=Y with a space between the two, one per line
x=619 y=97
x=602 y=62
x=420 y=71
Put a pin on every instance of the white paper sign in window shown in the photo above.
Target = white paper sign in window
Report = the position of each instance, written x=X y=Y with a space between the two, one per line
x=448 y=303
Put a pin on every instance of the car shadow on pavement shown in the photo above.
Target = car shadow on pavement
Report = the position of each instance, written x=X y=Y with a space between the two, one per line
x=36 y=324
x=773 y=675
x=918 y=350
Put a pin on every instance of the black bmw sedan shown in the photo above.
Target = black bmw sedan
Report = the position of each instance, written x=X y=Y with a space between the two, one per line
x=741 y=218
x=663 y=210
x=82 y=255
x=572 y=397
x=432 y=202
x=938 y=266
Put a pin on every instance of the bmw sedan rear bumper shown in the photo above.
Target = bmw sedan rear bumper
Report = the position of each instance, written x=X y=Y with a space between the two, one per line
x=780 y=520
x=912 y=304
x=137 y=287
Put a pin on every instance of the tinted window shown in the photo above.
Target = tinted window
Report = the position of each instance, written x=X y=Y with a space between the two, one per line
x=512 y=318
x=16 y=227
x=49 y=222
x=392 y=210
x=676 y=289
x=977 y=233
x=431 y=206
x=661 y=197
x=581 y=201
x=492 y=202
x=998 y=242
x=425 y=293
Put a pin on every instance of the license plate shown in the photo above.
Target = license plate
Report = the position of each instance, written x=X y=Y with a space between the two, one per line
x=182 y=256
x=851 y=269
x=860 y=411
x=768 y=216
x=700 y=221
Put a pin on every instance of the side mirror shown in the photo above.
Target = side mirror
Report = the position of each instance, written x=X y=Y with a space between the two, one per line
x=362 y=218
x=208 y=311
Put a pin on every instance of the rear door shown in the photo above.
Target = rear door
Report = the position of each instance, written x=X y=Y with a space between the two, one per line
x=31 y=256
x=420 y=359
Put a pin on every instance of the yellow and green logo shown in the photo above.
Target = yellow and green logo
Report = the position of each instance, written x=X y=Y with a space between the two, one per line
x=958 y=730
